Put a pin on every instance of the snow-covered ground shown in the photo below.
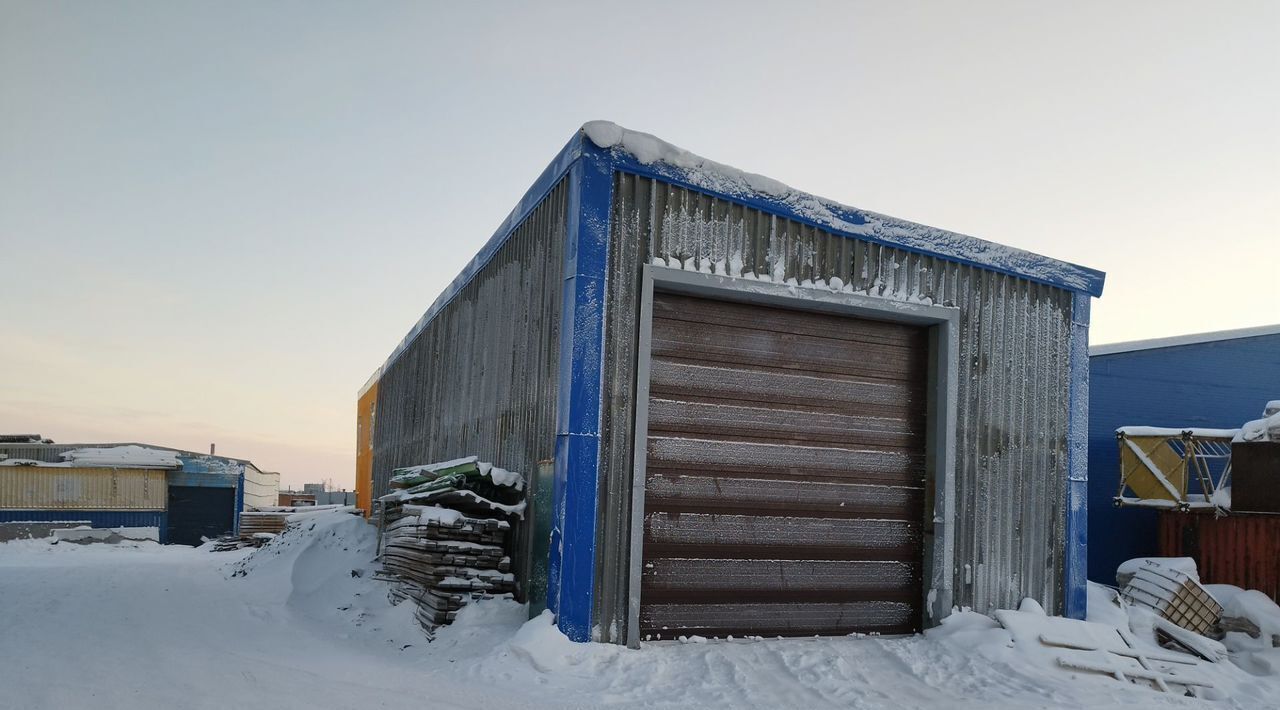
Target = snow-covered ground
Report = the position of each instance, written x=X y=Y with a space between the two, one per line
x=141 y=626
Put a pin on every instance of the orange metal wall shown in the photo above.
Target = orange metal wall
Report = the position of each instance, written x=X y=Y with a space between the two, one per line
x=1240 y=549
x=365 y=406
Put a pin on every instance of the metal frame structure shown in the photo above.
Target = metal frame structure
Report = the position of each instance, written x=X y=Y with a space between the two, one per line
x=1194 y=452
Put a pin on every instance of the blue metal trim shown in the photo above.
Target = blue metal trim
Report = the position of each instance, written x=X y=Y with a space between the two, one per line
x=95 y=518
x=930 y=241
x=202 y=480
x=1077 y=495
x=582 y=334
x=550 y=176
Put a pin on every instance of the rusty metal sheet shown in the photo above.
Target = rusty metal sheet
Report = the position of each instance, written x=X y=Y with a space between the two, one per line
x=1241 y=549
x=1255 y=476
x=772 y=513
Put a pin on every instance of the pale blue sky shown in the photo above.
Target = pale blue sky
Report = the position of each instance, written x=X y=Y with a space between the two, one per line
x=216 y=219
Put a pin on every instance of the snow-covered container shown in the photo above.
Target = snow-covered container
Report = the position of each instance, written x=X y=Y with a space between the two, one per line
x=769 y=413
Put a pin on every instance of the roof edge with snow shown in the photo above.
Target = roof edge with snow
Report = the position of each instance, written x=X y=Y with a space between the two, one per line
x=670 y=162
x=1181 y=340
x=647 y=154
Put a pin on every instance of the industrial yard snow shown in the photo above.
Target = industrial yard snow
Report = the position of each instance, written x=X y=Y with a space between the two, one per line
x=301 y=623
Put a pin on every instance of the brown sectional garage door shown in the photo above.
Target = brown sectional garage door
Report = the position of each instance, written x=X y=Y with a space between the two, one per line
x=785 y=472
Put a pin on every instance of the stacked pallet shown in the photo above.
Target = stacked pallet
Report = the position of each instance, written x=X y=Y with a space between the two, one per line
x=260 y=525
x=446 y=536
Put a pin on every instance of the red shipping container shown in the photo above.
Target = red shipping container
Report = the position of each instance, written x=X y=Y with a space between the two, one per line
x=1242 y=549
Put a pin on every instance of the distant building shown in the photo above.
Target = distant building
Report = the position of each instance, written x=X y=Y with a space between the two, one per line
x=290 y=499
x=204 y=493
x=1214 y=380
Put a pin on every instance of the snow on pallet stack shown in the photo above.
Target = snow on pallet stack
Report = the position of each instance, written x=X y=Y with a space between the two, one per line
x=260 y=525
x=447 y=535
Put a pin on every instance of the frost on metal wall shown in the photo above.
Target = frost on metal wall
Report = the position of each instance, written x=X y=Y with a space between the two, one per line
x=1014 y=343
x=479 y=377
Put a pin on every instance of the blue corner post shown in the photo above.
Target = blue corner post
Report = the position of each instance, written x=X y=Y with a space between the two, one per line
x=1076 y=554
x=239 y=501
x=571 y=578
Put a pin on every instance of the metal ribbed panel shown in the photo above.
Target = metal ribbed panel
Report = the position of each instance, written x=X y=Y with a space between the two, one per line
x=1013 y=385
x=1241 y=549
x=480 y=378
x=58 y=488
x=48 y=453
x=92 y=518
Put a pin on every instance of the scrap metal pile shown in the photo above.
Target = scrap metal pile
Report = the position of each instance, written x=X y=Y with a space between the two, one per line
x=447 y=535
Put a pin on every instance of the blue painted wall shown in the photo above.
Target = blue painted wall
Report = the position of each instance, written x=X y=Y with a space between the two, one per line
x=96 y=518
x=1220 y=385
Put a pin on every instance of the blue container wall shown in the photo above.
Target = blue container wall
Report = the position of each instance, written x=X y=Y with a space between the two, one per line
x=95 y=518
x=1218 y=385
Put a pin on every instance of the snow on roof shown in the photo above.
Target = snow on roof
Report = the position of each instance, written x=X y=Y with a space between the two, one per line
x=1265 y=429
x=672 y=163
x=728 y=180
x=1180 y=340
x=1202 y=432
x=130 y=456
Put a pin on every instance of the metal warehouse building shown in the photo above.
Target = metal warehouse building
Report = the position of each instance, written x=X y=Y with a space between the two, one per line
x=202 y=497
x=1209 y=380
x=769 y=414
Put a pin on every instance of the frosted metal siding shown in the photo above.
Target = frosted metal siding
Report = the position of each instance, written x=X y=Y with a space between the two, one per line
x=58 y=488
x=1011 y=467
x=481 y=376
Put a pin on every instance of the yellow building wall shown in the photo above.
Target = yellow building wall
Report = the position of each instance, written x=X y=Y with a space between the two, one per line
x=82 y=488
x=366 y=407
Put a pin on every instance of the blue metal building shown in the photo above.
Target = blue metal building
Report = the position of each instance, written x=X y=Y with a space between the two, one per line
x=205 y=495
x=1211 y=380
x=737 y=383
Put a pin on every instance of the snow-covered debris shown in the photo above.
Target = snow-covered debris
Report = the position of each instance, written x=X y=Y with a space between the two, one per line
x=1185 y=565
x=1174 y=432
x=470 y=467
x=1174 y=595
x=307 y=607
x=1265 y=429
x=131 y=456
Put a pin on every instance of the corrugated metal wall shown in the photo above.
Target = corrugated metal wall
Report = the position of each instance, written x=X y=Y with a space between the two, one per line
x=48 y=453
x=481 y=377
x=93 y=518
x=1240 y=549
x=58 y=488
x=1011 y=464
